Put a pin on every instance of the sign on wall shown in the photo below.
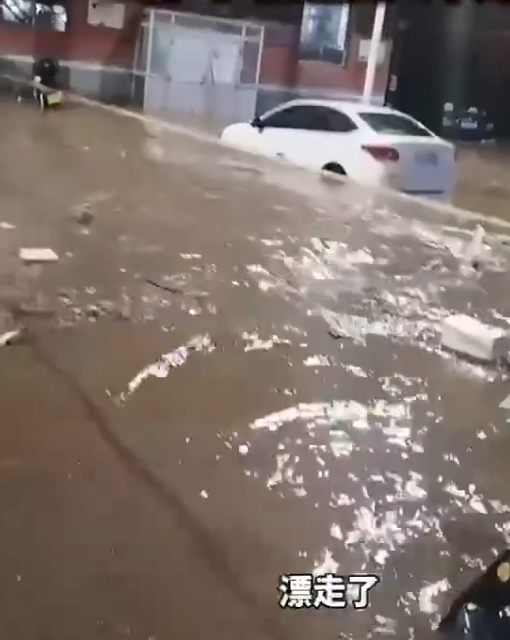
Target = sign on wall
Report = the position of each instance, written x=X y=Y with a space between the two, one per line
x=106 y=14
x=364 y=50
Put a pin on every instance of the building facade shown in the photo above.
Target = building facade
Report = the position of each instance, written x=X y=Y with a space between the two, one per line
x=335 y=40
x=444 y=62
x=65 y=29
x=305 y=45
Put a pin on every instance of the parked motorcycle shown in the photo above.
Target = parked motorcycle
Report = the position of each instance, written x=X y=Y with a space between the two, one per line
x=45 y=83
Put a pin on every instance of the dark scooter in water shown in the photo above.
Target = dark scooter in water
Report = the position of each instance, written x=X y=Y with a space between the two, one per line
x=482 y=611
x=45 y=82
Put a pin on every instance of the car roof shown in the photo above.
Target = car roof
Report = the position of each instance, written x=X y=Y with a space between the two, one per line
x=352 y=108
x=347 y=106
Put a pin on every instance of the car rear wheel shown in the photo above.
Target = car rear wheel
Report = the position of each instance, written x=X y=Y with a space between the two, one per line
x=334 y=167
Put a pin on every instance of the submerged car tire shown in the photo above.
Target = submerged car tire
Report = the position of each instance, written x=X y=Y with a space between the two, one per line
x=334 y=167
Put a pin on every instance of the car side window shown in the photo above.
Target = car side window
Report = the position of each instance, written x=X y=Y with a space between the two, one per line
x=310 y=118
x=290 y=118
x=339 y=122
x=303 y=117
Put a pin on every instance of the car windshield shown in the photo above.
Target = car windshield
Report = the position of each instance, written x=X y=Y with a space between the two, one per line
x=393 y=124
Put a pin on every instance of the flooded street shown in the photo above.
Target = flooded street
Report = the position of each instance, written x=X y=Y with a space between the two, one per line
x=232 y=373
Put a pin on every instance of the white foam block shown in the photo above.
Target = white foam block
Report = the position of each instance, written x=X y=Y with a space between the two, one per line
x=38 y=255
x=506 y=403
x=472 y=338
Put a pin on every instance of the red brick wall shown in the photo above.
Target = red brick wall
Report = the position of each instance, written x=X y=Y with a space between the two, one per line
x=80 y=42
x=349 y=78
x=280 y=66
x=279 y=55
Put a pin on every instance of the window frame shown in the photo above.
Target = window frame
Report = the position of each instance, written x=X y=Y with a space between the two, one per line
x=32 y=24
x=314 y=47
x=15 y=24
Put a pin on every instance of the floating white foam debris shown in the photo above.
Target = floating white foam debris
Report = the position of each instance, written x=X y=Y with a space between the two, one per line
x=455 y=491
x=499 y=507
x=167 y=362
x=271 y=242
x=341 y=500
x=255 y=343
x=336 y=532
x=477 y=505
x=506 y=403
x=476 y=248
x=159 y=369
x=8 y=337
x=470 y=337
x=317 y=361
x=38 y=255
x=412 y=488
x=325 y=414
x=368 y=528
x=327 y=565
x=278 y=475
x=380 y=557
x=385 y=626
x=7 y=226
x=429 y=592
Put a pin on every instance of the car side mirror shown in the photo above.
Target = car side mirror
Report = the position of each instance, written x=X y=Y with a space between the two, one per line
x=257 y=123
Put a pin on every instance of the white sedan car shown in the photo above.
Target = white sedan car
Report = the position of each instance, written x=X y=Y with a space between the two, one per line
x=372 y=145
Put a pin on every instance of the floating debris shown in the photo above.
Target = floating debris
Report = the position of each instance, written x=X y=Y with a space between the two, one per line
x=470 y=337
x=177 y=289
x=34 y=309
x=7 y=226
x=168 y=361
x=476 y=248
x=92 y=312
x=164 y=287
x=37 y=255
x=11 y=337
x=255 y=343
x=505 y=404
x=84 y=215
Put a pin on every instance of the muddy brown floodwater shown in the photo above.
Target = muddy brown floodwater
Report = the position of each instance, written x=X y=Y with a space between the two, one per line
x=232 y=373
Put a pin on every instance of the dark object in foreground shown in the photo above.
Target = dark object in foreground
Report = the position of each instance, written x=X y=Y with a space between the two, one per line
x=480 y=612
x=47 y=70
x=45 y=77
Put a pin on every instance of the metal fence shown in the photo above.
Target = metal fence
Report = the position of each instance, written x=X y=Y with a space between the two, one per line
x=198 y=66
x=208 y=69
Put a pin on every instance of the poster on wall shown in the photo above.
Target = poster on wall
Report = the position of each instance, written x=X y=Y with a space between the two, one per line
x=364 y=50
x=106 y=14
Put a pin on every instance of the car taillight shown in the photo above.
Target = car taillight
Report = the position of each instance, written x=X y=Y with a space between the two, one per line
x=382 y=154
